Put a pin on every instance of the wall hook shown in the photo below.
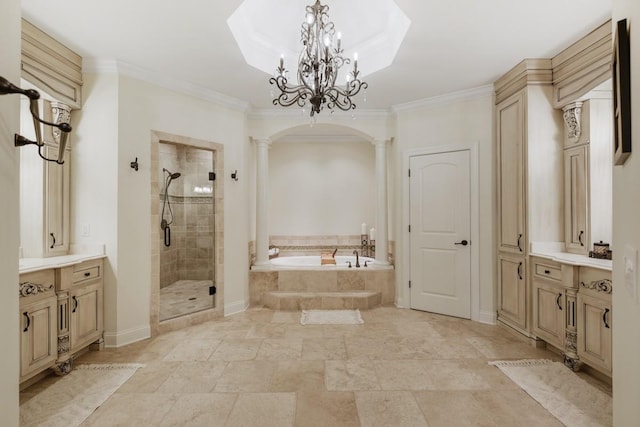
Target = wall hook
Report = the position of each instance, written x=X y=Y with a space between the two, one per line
x=134 y=164
x=234 y=175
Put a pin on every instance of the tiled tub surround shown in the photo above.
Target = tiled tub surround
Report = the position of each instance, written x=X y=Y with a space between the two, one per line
x=322 y=289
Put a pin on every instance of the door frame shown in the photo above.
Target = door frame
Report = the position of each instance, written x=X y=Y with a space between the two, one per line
x=404 y=297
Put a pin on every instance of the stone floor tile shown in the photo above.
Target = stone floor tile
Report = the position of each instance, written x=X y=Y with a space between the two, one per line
x=246 y=376
x=236 y=349
x=298 y=375
x=280 y=348
x=321 y=409
x=323 y=349
x=264 y=410
x=191 y=410
x=350 y=375
x=388 y=408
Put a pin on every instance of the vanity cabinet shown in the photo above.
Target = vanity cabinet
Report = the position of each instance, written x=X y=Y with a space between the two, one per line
x=595 y=319
x=61 y=311
x=548 y=312
x=587 y=174
x=85 y=325
x=550 y=281
x=38 y=327
x=80 y=290
x=512 y=289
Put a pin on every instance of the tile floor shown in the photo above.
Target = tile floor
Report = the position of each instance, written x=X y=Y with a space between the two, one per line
x=262 y=368
x=184 y=297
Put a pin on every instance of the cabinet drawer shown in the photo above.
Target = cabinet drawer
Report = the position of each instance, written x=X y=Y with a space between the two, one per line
x=547 y=271
x=86 y=274
x=86 y=271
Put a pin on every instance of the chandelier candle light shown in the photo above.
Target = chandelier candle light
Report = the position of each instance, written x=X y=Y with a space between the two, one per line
x=318 y=67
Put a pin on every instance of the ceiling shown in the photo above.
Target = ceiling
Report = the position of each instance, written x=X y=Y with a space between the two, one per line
x=450 y=46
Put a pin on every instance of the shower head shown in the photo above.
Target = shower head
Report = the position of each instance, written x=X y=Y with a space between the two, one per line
x=172 y=175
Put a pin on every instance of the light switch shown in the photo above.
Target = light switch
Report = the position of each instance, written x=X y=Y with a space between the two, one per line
x=85 y=230
x=630 y=260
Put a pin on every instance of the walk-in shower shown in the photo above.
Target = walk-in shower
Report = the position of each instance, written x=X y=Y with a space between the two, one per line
x=187 y=259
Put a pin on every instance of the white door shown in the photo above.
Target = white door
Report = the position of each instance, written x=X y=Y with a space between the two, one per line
x=440 y=230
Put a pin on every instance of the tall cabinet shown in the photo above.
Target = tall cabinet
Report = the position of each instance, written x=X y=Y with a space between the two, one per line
x=587 y=172
x=529 y=192
x=44 y=189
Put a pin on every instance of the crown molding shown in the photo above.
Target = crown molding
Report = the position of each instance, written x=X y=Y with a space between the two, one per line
x=462 y=95
x=115 y=67
x=197 y=91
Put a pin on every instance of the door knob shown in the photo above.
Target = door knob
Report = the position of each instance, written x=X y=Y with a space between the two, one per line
x=462 y=242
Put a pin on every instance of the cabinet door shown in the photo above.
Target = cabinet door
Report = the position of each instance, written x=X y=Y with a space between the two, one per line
x=511 y=172
x=56 y=219
x=594 y=332
x=38 y=337
x=512 y=296
x=548 y=313
x=85 y=324
x=576 y=199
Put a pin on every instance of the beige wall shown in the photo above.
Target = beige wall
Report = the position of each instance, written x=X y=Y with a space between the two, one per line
x=133 y=109
x=321 y=188
x=9 y=226
x=626 y=231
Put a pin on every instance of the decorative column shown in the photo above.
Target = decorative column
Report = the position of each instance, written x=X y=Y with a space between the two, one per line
x=262 y=199
x=382 y=251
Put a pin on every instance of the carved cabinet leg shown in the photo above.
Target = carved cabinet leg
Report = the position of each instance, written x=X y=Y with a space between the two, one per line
x=63 y=368
x=571 y=359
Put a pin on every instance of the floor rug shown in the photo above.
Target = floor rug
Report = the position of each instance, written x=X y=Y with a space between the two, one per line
x=71 y=399
x=331 y=317
x=571 y=399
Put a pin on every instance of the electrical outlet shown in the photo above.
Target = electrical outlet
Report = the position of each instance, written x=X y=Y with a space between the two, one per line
x=630 y=260
x=85 y=230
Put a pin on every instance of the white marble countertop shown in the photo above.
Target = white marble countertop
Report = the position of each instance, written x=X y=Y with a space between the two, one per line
x=78 y=255
x=574 y=259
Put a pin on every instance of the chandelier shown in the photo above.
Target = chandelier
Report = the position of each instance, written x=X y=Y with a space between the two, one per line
x=318 y=66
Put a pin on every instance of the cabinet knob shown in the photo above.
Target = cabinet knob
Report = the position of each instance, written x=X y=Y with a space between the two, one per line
x=87 y=274
x=547 y=272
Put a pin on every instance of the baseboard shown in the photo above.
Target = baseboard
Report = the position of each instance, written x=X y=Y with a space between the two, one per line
x=235 y=307
x=119 y=339
x=488 y=317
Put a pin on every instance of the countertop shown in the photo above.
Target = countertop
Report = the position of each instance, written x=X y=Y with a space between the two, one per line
x=574 y=259
x=78 y=255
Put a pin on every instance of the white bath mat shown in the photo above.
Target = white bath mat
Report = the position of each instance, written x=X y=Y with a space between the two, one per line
x=72 y=398
x=560 y=391
x=331 y=317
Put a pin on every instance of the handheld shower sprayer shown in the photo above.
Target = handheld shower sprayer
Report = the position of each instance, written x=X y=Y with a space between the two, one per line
x=165 y=223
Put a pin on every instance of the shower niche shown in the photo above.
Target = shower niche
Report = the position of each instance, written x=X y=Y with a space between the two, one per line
x=186 y=230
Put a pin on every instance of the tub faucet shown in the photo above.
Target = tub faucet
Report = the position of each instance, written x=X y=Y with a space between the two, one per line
x=357 y=258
